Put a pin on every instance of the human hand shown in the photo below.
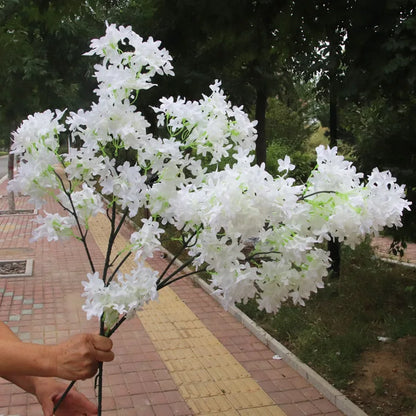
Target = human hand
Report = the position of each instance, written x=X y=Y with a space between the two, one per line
x=78 y=357
x=48 y=391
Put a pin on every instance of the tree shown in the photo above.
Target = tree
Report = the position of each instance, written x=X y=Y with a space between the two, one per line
x=239 y=42
x=319 y=52
x=364 y=54
x=380 y=81
x=41 y=43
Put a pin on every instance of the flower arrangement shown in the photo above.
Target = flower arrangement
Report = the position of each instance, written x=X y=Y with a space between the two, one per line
x=258 y=236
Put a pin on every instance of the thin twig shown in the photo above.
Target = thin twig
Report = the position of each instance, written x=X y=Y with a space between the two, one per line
x=185 y=245
x=118 y=267
x=303 y=197
x=178 y=270
x=83 y=235
x=261 y=253
x=166 y=283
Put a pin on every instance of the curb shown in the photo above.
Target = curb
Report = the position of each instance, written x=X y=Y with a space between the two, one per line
x=326 y=389
x=338 y=399
x=397 y=262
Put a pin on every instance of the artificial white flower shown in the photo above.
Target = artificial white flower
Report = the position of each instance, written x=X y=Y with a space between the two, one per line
x=37 y=131
x=122 y=296
x=86 y=202
x=285 y=165
x=146 y=240
x=212 y=125
x=53 y=227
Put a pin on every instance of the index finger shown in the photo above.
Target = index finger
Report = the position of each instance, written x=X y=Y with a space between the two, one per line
x=102 y=343
x=104 y=356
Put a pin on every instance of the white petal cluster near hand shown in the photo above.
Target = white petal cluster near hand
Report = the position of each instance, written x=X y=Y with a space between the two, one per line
x=259 y=236
x=124 y=295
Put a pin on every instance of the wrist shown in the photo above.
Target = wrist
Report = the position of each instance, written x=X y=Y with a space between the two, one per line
x=51 y=355
x=44 y=360
x=39 y=384
x=27 y=359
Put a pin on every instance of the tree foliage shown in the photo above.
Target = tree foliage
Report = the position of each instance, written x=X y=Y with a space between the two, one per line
x=363 y=53
x=236 y=41
x=41 y=63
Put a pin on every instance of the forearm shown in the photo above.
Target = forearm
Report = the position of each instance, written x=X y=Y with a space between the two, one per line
x=22 y=359
x=26 y=383
x=18 y=358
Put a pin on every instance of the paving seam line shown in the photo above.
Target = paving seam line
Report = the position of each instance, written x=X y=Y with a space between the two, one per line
x=338 y=399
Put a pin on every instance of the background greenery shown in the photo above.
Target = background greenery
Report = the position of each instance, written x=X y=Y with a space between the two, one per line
x=348 y=65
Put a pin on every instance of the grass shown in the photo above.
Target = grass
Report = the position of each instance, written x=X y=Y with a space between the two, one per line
x=371 y=299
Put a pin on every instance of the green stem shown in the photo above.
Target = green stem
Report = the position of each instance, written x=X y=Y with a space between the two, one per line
x=100 y=388
x=99 y=376
x=100 y=373
x=116 y=326
x=111 y=240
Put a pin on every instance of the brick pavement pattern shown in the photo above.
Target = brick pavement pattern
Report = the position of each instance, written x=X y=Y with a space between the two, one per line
x=182 y=355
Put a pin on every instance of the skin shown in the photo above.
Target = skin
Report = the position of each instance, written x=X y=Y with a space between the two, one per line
x=33 y=366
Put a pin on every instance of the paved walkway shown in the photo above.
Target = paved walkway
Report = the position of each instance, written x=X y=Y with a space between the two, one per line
x=183 y=355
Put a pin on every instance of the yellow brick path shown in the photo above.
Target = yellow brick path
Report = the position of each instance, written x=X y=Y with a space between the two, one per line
x=209 y=378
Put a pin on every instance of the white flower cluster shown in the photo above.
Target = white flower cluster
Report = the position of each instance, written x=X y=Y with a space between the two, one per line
x=211 y=126
x=125 y=295
x=259 y=236
x=358 y=207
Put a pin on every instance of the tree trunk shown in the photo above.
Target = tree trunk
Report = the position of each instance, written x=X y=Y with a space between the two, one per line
x=334 y=245
x=333 y=110
x=261 y=105
x=334 y=248
x=10 y=194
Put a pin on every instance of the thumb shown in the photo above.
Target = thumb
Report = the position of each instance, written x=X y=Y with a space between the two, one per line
x=47 y=408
